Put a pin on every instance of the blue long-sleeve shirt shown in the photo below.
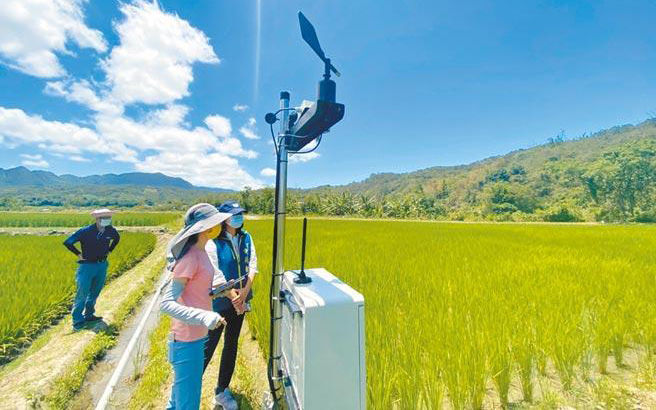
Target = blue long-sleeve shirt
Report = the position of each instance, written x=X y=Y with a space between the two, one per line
x=95 y=244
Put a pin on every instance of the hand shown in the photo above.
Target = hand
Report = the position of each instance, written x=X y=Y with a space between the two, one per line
x=80 y=257
x=239 y=307
x=217 y=321
x=239 y=300
x=241 y=294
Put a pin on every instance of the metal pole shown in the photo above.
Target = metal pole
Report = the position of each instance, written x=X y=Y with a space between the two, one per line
x=278 y=256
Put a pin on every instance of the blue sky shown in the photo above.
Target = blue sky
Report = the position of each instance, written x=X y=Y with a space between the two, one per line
x=103 y=86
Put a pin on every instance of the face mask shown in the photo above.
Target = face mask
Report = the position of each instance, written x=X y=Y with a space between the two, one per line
x=236 y=221
x=105 y=221
x=214 y=232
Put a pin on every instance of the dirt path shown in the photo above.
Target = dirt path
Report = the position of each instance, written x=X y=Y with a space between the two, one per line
x=27 y=379
x=99 y=376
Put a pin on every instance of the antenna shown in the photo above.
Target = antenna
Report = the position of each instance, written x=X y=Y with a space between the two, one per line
x=302 y=277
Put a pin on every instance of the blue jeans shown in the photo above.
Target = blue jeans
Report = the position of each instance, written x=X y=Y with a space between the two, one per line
x=187 y=361
x=90 y=279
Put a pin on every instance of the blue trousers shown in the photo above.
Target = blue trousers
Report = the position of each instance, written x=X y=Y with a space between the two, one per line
x=90 y=279
x=187 y=361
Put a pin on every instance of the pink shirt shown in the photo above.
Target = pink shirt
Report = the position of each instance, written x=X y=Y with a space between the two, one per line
x=195 y=266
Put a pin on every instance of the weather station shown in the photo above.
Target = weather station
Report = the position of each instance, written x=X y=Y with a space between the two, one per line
x=317 y=345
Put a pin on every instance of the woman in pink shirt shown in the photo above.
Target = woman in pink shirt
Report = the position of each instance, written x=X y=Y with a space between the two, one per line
x=187 y=300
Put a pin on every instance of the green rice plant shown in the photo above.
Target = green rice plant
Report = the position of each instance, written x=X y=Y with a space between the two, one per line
x=157 y=370
x=452 y=307
x=502 y=371
x=75 y=219
x=37 y=282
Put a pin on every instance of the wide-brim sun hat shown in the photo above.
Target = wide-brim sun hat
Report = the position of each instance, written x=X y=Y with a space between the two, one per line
x=102 y=213
x=198 y=218
x=232 y=207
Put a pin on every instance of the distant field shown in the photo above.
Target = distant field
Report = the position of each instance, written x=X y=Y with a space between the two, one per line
x=37 y=281
x=61 y=219
x=452 y=307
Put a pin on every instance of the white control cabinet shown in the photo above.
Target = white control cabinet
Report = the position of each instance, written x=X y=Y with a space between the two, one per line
x=323 y=343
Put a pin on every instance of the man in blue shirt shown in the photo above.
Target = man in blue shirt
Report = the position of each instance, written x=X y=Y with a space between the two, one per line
x=97 y=241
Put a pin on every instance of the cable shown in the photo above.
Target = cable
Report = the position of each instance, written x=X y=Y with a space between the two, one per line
x=315 y=147
x=311 y=150
x=273 y=137
x=284 y=109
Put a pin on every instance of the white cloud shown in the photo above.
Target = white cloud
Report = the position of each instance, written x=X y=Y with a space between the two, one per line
x=79 y=158
x=19 y=128
x=171 y=115
x=297 y=158
x=35 y=161
x=32 y=32
x=36 y=164
x=213 y=169
x=82 y=92
x=152 y=63
x=268 y=172
x=32 y=157
x=167 y=136
x=219 y=125
x=249 y=130
x=240 y=107
x=249 y=134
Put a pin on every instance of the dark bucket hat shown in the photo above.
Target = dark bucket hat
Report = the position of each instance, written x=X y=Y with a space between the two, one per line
x=232 y=207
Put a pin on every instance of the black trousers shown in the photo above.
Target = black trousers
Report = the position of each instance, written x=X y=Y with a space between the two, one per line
x=230 y=344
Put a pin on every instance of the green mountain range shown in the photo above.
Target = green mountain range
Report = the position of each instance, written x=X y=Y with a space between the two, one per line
x=21 y=176
x=20 y=187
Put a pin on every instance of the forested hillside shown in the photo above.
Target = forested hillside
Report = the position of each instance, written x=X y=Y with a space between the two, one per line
x=607 y=176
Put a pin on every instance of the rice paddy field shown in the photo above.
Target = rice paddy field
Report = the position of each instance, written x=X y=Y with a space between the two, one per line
x=454 y=311
x=73 y=219
x=37 y=282
x=457 y=315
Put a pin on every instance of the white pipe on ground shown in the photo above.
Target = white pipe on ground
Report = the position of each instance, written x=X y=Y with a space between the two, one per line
x=109 y=389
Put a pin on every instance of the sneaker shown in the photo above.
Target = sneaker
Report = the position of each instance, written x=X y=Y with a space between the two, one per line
x=225 y=400
x=93 y=318
x=79 y=326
